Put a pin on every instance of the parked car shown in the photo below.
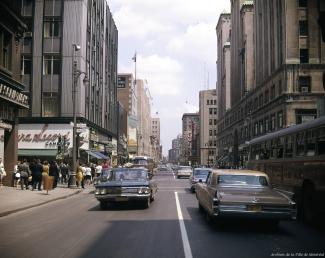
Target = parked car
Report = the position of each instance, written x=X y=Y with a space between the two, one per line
x=199 y=175
x=125 y=185
x=183 y=171
x=243 y=194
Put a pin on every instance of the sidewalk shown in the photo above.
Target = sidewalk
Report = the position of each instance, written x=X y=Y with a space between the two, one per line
x=14 y=199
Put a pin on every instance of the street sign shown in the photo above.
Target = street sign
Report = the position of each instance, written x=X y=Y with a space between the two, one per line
x=81 y=125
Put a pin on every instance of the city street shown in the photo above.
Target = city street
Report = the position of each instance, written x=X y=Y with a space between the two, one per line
x=77 y=227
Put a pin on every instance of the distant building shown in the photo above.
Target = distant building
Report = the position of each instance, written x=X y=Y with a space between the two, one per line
x=190 y=149
x=155 y=139
x=208 y=126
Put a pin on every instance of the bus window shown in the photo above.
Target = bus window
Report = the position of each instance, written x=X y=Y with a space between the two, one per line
x=300 y=144
x=289 y=147
x=311 y=143
x=321 y=141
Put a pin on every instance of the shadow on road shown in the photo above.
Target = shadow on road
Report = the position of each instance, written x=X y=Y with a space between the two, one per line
x=119 y=207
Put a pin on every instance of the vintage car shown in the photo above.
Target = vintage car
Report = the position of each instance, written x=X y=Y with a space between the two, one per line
x=199 y=174
x=144 y=161
x=243 y=194
x=125 y=185
x=183 y=171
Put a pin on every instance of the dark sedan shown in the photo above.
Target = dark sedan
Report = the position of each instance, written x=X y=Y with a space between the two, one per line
x=125 y=185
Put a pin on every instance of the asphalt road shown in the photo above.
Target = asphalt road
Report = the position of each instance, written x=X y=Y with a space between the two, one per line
x=171 y=227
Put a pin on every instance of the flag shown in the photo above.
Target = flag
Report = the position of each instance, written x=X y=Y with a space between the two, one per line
x=134 y=58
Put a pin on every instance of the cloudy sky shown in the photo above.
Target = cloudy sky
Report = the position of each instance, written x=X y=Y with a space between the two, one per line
x=176 y=47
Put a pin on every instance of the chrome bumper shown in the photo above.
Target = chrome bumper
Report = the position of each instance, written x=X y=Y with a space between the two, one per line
x=122 y=197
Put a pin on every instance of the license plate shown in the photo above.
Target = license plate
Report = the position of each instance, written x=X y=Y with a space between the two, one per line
x=254 y=208
x=121 y=199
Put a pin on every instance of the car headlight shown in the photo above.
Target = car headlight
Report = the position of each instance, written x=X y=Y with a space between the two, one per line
x=144 y=190
x=103 y=191
x=97 y=191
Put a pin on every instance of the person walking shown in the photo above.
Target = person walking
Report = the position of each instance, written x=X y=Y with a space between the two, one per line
x=87 y=174
x=36 y=169
x=24 y=174
x=54 y=171
x=79 y=177
x=64 y=172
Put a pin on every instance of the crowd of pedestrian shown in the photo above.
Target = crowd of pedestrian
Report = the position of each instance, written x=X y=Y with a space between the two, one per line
x=31 y=175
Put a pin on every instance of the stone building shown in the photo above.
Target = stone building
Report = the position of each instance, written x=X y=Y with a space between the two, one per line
x=288 y=75
x=155 y=139
x=208 y=126
x=12 y=97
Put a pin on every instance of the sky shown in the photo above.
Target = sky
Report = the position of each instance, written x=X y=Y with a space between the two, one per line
x=176 y=46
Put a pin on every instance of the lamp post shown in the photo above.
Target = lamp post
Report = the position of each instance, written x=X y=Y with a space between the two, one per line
x=75 y=76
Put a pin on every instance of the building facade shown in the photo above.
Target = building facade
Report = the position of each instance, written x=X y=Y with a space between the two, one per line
x=288 y=89
x=71 y=42
x=12 y=98
x=155 y=139
x=208 y=126
x=190 y=146
x=223 y=63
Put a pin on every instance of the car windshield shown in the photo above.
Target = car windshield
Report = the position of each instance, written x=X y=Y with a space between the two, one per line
x=245 y=180
x=128 y=174
x=140 y=162
x=201 y=172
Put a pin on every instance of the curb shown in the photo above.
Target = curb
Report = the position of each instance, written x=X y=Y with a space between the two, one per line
x=5 y=213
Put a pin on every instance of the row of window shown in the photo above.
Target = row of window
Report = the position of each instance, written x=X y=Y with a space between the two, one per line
x=304 y=144
x=211 y=102
x=212 y=111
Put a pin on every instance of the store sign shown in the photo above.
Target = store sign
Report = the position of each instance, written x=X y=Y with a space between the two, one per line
x=46 y=136
x=13 y=95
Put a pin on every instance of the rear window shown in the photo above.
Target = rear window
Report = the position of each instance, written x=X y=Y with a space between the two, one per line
x=140 y=162
x=244 y=180
x=201 y=172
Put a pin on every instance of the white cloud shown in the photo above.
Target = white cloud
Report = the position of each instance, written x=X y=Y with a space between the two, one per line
x=163 y=74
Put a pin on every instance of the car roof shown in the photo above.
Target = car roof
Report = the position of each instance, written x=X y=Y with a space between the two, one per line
x=203 y=169
x=238 y=172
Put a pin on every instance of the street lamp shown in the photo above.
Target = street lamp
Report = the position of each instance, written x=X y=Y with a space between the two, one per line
x=75 y=76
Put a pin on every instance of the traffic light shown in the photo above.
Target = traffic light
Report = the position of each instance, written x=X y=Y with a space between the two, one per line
x=59 y=145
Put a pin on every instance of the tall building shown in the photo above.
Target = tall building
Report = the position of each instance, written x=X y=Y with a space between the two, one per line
x=69 y=53
x=175 y=152
x=12 y=98
x=289 y=58
x=190 y=149
x=223 y=63
x=208 y=126
x=126 y=94
x=144 y=118
x=155 y=139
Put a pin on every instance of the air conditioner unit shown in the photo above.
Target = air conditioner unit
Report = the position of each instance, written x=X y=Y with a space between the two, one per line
x=304 y=89
x=28 y=34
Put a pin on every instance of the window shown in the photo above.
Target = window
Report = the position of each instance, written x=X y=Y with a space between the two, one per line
x=266 y=123
x=280 y=87
x=51 y=65
x=280 y=119
x=210 y=111
x=289 y=147
x=26 y=66
x=304 y=56
x=310 y=143
x=208 y=102
x=300 y=144
x=303 y=28
x=266 y=97
x=302 y=3
x=256 y=129
x=215 y=121
x=261 y=126
x=210 y=121
x=52 y=29
x=305 y=115
x=260 y=100
x=214 y=102
x=215 y=111
x=210 y=132
x=6 y=45
x=272 y=92
x=304 y=84
x=50 y=104
x=272 y=122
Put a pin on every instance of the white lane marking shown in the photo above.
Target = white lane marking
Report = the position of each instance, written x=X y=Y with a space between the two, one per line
x=174 y=175
x=186 y=243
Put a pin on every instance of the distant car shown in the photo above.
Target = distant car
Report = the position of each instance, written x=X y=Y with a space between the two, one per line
x=183 y=171
x=199 y=175
x=163 y=169
x=125 y=185
x=144 y=161
x=243 y=194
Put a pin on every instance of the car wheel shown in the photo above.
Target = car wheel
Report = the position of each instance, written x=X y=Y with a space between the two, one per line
x=308 y=211
x=192 y=189
x=201 y=209
x=152 y=196
x=147 y=203
x=103 y=205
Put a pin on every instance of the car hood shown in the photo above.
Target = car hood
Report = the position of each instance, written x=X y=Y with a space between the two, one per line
x=124 y=183
x=263 y=195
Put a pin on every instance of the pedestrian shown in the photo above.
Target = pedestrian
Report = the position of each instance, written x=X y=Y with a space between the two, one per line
x=16 y=174
x=54 y=171
x=37 y=169
x=64 y=172
x=98 y=170
x=2 y=171
x=24 y=174
x=93 y=170
x=79 y=177
x=88 y=175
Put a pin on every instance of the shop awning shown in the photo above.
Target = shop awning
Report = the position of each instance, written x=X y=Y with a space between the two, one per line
x=93 y=154
x=37 y=152
x=103 y=156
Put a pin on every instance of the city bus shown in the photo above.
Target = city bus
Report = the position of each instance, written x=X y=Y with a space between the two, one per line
x=294 y=159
